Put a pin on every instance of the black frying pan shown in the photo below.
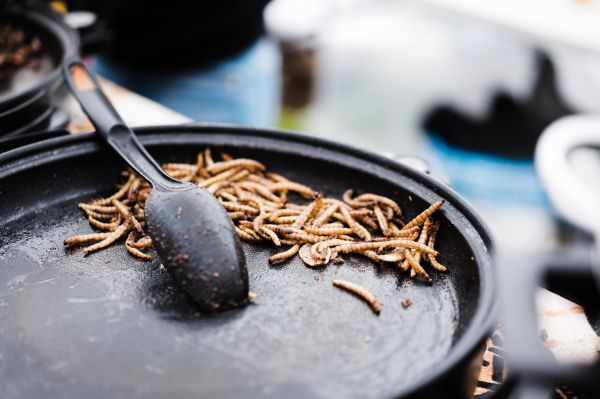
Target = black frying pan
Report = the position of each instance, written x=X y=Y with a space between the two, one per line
x=107 y=325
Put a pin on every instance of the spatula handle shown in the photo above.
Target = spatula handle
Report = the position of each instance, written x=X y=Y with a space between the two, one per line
x=111 y=127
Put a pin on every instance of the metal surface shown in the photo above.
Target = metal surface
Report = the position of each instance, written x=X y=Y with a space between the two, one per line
x=107 y=325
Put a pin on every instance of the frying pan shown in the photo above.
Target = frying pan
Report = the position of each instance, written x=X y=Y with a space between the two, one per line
x=108 y=325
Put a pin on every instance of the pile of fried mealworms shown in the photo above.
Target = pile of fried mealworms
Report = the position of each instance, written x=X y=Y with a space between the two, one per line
x=17 y=49
x=320 y=229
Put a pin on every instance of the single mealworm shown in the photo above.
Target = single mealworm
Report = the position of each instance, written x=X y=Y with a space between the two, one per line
x=419 y=271
x=105 y=226
x=301 y=189
x=328 y=231
x=208 y=157
x=144 y=242
x=324 y=216
x=303 y=217
x=85 y=238
x=271 y=234
x=420 y=218
x=226 y=157
x=251 y=232
x=260 y=189
x=347 y=197
x=200 y=171
x=218 y=178
x=228 y=196
x=368 y=221
x=180 y=166
x=283 y=212
x=235 y=207
x=354 y=225
x=244 y=235
x=237 y=215
x=99 y=216
x=132 y=193
x=382 y=200
x=398 y=243
x=361 y=292
x=219 y=167
x=281 y=256
x=131 y=248
x=114 y=236
x=431 y=243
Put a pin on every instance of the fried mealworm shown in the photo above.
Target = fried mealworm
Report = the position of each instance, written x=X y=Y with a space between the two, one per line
x=383 y=200
x=419 y=271
x=303 y=217
x=285 y=255
x=381 y=219
x=301 y=189
x=208 y=157
x=420 y=218
x=244 y=235
x=354 y=225
x=361 y=292
x=398 y=243
x=112 y=237
x=235 y=207
x=219 y=167
x=132 y=249
x=325 y=215
x=105 y=226
x=271 y=234
x=347 y=198
x=218 y=178
x=85 y=238
x=328 y=231
x=431 y=243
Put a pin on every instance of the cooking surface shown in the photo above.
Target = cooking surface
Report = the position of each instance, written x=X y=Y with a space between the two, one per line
x=107 y=323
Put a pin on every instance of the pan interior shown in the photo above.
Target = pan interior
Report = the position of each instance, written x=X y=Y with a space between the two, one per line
x=110 y=325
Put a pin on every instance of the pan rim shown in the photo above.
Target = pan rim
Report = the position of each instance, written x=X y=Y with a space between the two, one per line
x=481 y=323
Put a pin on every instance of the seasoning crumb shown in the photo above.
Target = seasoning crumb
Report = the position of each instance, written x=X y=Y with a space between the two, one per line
x=252 y=296
x=410 y=198
x=406 y=302
x=367 y=339
x=161 y=268
x=338 y=261
x=543 y=335
x=472 y=258
x=107 y=261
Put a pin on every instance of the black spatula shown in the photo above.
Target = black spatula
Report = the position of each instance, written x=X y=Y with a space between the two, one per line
x=190 y=230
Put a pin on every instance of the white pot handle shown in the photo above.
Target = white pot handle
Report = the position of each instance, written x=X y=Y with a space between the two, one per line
x=573 y=197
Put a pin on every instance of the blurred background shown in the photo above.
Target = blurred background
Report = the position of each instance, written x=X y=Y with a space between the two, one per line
x=460 y=88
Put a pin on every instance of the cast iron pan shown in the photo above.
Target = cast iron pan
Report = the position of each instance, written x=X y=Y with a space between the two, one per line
x=108 y=325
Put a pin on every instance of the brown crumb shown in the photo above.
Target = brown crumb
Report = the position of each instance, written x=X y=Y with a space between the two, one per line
x=406 y=302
